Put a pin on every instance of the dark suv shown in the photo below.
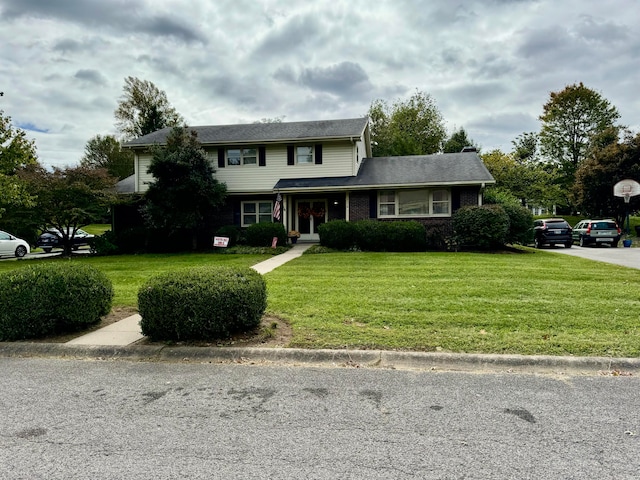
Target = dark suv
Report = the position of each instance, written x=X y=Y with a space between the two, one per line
x=552 y=231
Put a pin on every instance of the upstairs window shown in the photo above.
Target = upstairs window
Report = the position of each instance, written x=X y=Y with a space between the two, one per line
x=242 y=156
x=304 y=155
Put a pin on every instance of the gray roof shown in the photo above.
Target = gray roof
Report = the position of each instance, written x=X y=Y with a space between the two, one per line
x=264 y=132
x=127 y=185
x=464 y=168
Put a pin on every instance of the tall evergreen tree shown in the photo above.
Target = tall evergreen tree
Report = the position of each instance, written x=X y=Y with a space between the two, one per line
x=185 y=194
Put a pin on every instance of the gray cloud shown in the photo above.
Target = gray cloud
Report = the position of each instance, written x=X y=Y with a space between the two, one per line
x=297 y=33
x=91 y=76
x=341 y=79
x=130 y=16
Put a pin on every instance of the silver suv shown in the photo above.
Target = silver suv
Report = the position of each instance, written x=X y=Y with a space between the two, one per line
x=596 y=232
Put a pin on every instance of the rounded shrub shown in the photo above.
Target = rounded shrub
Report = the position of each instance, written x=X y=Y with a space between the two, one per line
x=401 y=236
x=261 y=234
x=484 y=227
x=520 y=224
x=59 y=297
x=338 y=234
x=202 y=303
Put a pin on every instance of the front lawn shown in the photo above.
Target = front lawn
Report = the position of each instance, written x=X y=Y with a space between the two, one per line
x=529 y=303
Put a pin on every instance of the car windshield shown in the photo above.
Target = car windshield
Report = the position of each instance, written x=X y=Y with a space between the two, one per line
x=560 y=224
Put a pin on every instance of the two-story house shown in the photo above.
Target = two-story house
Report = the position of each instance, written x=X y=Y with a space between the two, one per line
x=322 y=171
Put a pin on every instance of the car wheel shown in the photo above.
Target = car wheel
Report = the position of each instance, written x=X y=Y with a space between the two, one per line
x=581 y=243
x=21 y=251
x=47 y=250
x=536 y=243
x=568 y=245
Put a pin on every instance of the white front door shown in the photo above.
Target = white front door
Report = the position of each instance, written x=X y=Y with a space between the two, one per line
x=310 y=215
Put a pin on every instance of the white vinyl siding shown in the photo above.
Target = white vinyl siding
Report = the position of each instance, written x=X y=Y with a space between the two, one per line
x=338 y=160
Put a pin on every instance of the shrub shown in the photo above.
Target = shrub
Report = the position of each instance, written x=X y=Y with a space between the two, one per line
x=520 y=224
x=483 y=227
x=52 y=298
x=105 y=244
x=261 y=234
x=401 y=236
x=230 y=231
x=202 y=303
x=438 y=235
x=520 y=218
x=338 y=234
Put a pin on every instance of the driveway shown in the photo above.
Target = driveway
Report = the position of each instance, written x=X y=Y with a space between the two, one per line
x=627 y=257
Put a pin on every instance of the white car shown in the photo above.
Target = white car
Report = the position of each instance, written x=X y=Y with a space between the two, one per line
x=10 y=245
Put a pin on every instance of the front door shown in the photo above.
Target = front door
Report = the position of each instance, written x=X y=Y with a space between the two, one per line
x=310 y=215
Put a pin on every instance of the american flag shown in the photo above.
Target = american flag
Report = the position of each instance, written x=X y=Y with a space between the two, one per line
x=276 y=207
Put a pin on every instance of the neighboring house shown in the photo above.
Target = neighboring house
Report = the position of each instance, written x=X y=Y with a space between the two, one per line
x=323 y=170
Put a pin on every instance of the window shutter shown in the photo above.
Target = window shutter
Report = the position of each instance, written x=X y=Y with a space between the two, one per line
x=262 y=156
x=318 y=154
x=221 y=158
x=291 y=160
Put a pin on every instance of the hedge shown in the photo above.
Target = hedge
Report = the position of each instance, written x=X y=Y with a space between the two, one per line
x=261 y=234
x=202 y=303
x=484 y=227
x=43 y=299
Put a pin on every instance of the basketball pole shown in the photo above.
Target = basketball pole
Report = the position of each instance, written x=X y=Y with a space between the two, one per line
x=627 y=197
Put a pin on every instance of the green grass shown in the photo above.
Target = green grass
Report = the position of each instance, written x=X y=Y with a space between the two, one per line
x=97 y=229
x=129 y=272
x=535 y=303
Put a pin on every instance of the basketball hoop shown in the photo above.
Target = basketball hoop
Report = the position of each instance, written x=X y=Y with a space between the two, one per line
x=626 y=189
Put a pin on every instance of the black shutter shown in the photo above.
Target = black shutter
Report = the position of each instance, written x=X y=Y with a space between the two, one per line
x=291 y=160
x=318 y=154
x=220 y=157
x=262 y=156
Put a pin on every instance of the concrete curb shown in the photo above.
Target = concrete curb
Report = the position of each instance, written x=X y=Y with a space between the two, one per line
x=431 y=361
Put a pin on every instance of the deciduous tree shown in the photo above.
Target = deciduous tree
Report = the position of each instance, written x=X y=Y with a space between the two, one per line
x=412 y=127
x=70 y=198
x=608 y=163
x=16 y=153
x=571 y=119
x=143 y=109
x=105 y=152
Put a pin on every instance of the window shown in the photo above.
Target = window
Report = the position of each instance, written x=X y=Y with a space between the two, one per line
x=242 y=156
x=387 y=203
x=256 y=212
x=414 y=203
x=440 y=202
x=304 y=155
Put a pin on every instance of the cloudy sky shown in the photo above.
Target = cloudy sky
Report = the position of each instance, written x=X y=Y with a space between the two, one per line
x=488 y=64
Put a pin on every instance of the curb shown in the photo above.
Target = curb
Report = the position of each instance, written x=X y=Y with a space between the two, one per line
x=430 y=361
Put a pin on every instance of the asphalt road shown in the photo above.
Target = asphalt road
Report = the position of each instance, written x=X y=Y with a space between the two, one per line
x=64 y=419
x=626 y=257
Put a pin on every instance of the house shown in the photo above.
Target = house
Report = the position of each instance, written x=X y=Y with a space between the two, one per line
x=322 y=171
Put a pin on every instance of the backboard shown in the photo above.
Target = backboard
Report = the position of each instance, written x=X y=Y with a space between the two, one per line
x=626 y=188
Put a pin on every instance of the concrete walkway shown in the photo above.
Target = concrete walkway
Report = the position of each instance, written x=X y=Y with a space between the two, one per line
x=127 y=331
